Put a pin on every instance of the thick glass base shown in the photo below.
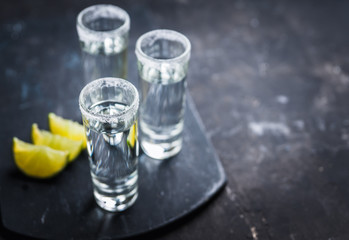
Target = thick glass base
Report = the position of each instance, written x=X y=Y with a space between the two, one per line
x=116 y=195
x=116 y=203
x=161 y=150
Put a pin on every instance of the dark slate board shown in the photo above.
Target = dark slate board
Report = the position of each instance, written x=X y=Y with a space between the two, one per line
x=63 y=207
x=42 y=73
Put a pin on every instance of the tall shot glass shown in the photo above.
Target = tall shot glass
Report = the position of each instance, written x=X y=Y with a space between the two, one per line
x=163 y=57
x=103 y=33
x=109 y=109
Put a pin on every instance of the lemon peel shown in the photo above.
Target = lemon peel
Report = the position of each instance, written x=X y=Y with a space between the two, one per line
x=38 y=161
x=67 y=128
x=42 y=137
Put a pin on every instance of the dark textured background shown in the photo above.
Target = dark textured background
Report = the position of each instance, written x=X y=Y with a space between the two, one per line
x=271 y=82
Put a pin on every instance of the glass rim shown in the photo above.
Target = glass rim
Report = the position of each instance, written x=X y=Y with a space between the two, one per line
x=165 y=34
x=124 y=28
x=130 y=109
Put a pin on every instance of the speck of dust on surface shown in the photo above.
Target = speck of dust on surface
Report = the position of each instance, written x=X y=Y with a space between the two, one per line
x=254 y=233
x=282 y=99
x=276 y=128
x=44 y=216
x=230 y=194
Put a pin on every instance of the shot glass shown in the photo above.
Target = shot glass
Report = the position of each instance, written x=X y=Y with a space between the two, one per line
x=163 y=57
x=109 y=109
x=103 y=33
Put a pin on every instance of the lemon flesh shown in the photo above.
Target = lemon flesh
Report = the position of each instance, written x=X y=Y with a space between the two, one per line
x=132 y=136
x=38 y=161
x=67 y=128
x=42 y=137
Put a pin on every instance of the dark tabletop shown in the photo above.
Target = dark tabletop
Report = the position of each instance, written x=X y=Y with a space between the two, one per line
x=270 y=80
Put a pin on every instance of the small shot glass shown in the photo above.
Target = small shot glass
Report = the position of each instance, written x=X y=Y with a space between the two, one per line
x=109 y=109
x=103 y=33
x=163 y=57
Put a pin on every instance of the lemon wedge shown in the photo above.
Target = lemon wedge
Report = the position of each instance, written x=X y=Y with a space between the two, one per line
x=132 y=136
x=42 y=137
x=67 y=128
x=38 y=161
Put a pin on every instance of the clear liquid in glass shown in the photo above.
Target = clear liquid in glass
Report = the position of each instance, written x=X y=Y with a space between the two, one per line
x=162 y=110
x=113 y=156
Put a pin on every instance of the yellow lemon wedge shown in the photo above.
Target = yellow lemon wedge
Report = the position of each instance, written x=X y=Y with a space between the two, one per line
x=67 y=128
x=38 y=161
x=42 y=137
x=132 y=136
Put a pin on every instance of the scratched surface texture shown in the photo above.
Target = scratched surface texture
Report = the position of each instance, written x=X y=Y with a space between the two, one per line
x=271 y=82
